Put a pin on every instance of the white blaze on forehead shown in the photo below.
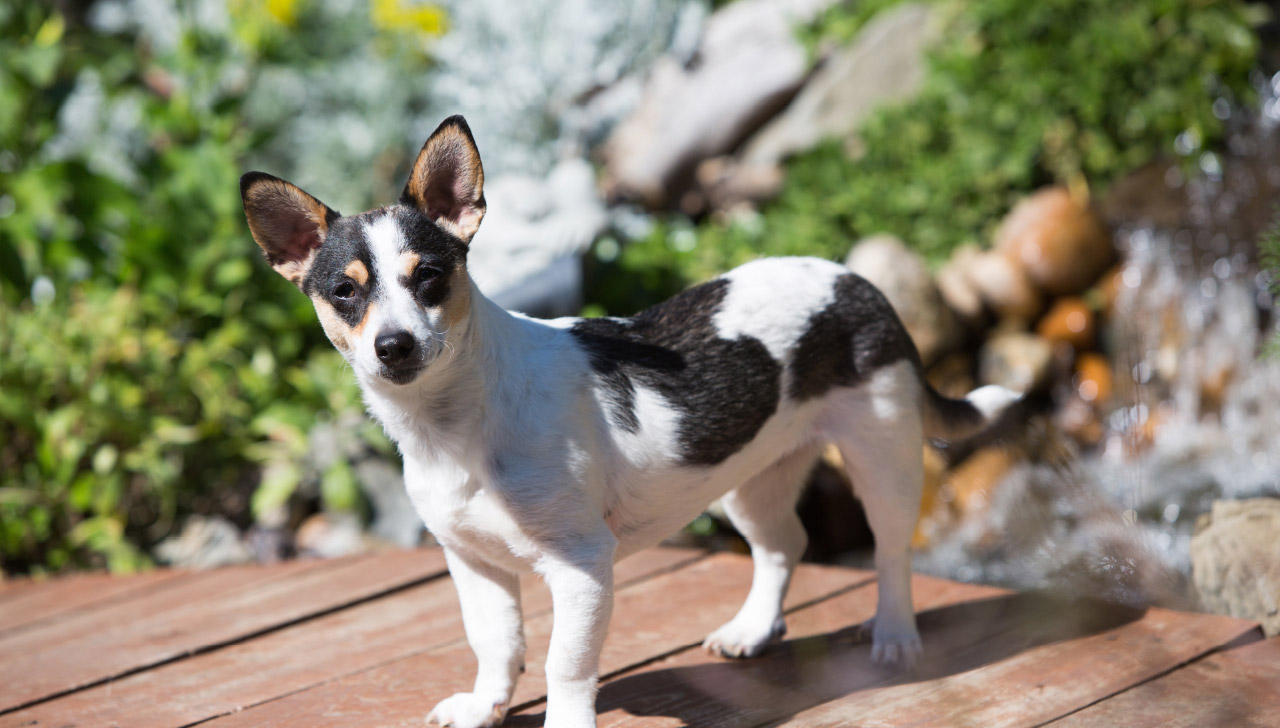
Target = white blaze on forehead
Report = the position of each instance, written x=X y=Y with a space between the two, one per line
x=399 y=311
x=386 y=242
x=773 y=299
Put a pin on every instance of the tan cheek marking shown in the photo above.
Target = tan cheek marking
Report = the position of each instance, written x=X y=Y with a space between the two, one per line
x=368 y=312
x=459 y=301
x=408 y=264
x=334 y=327
x=357 y=272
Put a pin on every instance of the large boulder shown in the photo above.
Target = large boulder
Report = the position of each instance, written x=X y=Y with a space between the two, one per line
x=904 y=279
x=1235 y=560
x=885 y=63
x=1058 y=239
x=749 y=64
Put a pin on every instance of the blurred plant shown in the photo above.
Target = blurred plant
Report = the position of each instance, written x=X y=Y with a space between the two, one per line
x=150 y=364
x=1269 y=248
x=1017 y=96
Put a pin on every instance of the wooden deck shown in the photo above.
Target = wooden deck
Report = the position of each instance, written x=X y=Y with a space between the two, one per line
x=376 y=640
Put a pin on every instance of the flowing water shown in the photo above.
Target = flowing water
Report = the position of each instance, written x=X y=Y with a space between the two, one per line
x=1196 y=416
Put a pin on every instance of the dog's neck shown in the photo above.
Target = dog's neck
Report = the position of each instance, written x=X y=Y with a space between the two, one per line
x=454 y=405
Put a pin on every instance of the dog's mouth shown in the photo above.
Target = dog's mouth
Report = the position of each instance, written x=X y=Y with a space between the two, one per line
x=403 y=373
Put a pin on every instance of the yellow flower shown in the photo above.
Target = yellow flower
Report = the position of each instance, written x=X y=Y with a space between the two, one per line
x=285 y=12
x=419 y=17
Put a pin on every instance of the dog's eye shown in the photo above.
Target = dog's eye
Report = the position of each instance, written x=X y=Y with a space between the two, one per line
x=427 y=273
x=345 y=290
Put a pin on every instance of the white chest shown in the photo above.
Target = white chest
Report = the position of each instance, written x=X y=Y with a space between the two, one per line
x=465 y=514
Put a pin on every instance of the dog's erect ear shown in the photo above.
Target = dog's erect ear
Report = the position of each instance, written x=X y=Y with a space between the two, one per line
x=288 y=224
x=447 y=181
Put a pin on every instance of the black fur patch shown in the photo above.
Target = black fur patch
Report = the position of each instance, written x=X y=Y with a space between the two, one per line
x=345 y=242
x=436 y=249
x=856 y=334
x=724 y=389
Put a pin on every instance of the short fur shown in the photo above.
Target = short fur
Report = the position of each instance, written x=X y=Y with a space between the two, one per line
x=561 y=446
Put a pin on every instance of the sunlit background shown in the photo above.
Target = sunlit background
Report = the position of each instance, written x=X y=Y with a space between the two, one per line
x=1070 y=194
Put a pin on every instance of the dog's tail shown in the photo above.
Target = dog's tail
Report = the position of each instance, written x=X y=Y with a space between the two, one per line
x=987 y=414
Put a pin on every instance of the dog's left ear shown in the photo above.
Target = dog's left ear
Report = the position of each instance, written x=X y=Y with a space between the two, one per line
x=447 y=181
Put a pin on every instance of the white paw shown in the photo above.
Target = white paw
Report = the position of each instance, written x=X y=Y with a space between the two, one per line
x=742 y=639
x=467 y=710
x=893 y=647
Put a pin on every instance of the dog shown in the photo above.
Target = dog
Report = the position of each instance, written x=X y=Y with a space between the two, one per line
x=561 y=446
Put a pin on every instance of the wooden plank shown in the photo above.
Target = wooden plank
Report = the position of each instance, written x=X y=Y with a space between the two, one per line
x=824 y=656
x=25 y=604
x=666 y=613
x=218 y=608
x=1239 y=687
x=298 y=657
x=1035 y=662
x=1001 y=660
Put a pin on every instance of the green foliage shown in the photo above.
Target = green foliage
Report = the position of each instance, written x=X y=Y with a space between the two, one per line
x=151 y=364
x=1018 y=95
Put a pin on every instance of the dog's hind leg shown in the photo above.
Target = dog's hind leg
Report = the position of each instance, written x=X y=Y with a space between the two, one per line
x=764 y=511
x=881 y=444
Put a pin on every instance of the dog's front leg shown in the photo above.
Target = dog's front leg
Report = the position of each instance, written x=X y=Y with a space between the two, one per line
x=491 y=616
x=582 y=598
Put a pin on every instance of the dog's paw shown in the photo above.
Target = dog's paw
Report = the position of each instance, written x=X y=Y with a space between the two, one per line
x=467 y=710
x=741 y=639
x=890 y=647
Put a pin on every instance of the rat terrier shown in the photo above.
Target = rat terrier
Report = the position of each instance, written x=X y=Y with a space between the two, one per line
x=562 y=446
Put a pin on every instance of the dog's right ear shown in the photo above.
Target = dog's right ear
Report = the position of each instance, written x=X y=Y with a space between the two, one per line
x=288 y=224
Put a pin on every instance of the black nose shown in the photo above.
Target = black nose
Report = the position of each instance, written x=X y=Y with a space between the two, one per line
x=395 y=347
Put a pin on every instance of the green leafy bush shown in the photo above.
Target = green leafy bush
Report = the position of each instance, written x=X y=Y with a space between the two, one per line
x=1017 y=95
x=151 y=364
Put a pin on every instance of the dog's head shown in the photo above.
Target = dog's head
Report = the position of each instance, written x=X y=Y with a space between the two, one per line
x=390 y=285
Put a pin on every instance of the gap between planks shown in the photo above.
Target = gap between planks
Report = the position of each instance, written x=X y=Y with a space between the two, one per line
x=109 y=643
x=666 y=611
x=286 y=660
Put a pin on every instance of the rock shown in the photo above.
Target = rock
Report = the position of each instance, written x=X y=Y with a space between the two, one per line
x=957 y=287
x=883 y=64
x=1069 y=321
x=931 y=519
x=1109 y=287
x=1004 y=288
x=1093 y=379
x=724 y=184
x=952 y=375
x=394 y=518
x=904 y=279
x=206 y=542
x=1016 y=360
x=1235 y=560
x=330 y=535
x=748 y=65
x=971 y=483
x=526 y=254
x=1058 y=240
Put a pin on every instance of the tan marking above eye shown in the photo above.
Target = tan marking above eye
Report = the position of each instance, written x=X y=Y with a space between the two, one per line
x=408 y=264
x=356 y=271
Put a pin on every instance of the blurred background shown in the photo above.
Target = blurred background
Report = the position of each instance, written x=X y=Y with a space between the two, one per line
x=1074 y=195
